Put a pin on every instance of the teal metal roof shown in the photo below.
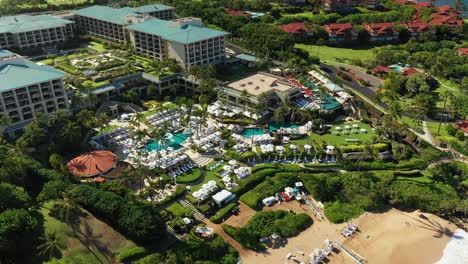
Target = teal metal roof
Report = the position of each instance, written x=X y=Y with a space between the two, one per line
x=167 y=30
x=247 y=57
x=152 y=8
x=19 y=72
x=108 y=14
x=25 y=23
x=4 y=53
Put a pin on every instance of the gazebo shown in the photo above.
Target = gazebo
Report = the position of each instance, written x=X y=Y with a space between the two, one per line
x=92 y=163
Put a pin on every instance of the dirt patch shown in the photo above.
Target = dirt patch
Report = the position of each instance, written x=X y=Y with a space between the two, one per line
x=245 y=213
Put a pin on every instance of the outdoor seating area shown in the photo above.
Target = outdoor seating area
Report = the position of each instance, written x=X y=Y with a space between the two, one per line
x=347 y=130
x=349 y=230
x=170 y=117
x=204 y=232
x=119 y=136
x=262 y=139
x=208 y=141
x=206 y=190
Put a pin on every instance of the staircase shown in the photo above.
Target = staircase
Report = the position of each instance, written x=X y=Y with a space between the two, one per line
x=202 y=160
x=196 y=214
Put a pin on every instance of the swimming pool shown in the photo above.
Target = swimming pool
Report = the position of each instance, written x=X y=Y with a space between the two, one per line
x=330 y=104
x=252 y=131
x=396 y=68
x=176 y=143
x=273 y=126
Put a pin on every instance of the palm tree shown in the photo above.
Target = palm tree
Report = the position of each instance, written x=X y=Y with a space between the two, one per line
x=367 y=151
x=244 y=98
x=52 y=57
x=446 y=95
x=4 y=123
x=70 y=131
x=102 y=120
x=51 y=245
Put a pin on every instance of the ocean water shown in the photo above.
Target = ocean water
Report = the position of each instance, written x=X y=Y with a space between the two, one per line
x=456 y=250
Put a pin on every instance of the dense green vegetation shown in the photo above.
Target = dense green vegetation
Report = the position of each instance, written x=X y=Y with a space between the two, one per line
x=266 y=223
x=193 y=250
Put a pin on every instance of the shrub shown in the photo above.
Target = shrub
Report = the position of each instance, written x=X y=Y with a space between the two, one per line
x=264 y=166
x=339 y=212
x=252 y=180
x=190 y=176
x=131 y=254
x=222 y=213
x=141 y=222
x=180 y=190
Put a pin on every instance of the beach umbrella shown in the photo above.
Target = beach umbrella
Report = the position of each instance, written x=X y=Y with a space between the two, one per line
x=227 y=167
x=232 y=162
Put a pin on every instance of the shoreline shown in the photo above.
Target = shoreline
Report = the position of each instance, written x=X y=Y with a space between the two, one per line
x=392 y=236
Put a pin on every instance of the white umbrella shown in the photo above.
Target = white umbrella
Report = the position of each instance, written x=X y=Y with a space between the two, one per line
x=232 y=162
x=226 y=179
x=227 y=168
x=337 y=128
x=307 y=147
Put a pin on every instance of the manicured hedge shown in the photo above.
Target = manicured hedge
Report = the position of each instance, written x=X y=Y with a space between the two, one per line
x=222 y=213
x=357 y=148
x=251 y=181
x=141 y=222
x=131 y=254
x=263 y=166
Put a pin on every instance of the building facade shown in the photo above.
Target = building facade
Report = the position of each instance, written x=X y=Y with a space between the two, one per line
x=30 y=32
x=382 y=32
x=27 y=89
x=110 y=23
x=341 y=33
x=185 y=40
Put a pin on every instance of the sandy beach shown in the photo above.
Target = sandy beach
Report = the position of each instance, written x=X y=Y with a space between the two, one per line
x=392 y=236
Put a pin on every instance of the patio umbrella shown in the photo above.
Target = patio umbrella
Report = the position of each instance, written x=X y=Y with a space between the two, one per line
x=232 y=162
x=227 y=168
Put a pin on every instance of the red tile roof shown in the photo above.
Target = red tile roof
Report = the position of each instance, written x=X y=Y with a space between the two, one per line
x=338 y=29
x=422 y=5
x=380 y=28
x=382 y=69
x=451 y=20
x=294 y=28
x=418 y=26
x=445 y=9
x=234 y=13
x=92 y=163
x=463 y=51
x=410 y=71
x=463 y=126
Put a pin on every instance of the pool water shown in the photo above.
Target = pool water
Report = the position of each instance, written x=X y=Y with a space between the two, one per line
x=176 y=143
x=396 y=68
x=330 y=104
x=273 y=126
x=250 y=132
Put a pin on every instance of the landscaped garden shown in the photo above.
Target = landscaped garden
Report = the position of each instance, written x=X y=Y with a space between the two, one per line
x=333 y=54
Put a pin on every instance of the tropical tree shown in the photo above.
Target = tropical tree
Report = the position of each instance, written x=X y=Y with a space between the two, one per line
x=445 y=95
x=245 y=98
x=50 y=245
x=52 y=57
x=70 y=131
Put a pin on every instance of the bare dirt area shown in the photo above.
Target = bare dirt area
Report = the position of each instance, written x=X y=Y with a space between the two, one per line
x=392 y=236
x=245 y=213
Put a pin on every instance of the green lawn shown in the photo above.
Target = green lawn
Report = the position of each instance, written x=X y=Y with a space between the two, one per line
x=178 y=210
x=338 y=140
x=96 y=46
x=190 y=176
x=332 y=54
x=303 y=14
x=94 y=242
x=209 y=176
x=107 y=129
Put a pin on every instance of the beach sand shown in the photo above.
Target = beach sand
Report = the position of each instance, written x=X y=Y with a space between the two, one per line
x=392 y=236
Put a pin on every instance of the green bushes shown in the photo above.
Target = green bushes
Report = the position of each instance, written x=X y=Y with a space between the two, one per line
x=131 y=254
x=358 y=148
x=240 y=157
x=264 y=166
x=252 y=181
x=178 y=210
x=434 y=198
x=68 y=69
x=265 y=223
x=141 y=222
x=222 y=213
x=339 y=212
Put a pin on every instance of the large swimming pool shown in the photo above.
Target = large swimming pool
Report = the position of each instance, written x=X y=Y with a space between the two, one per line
x=176 y=143
x=330 y=104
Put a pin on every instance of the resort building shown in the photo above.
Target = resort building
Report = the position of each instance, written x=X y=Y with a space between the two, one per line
x=30 y=32
x=299 y=30
x=107 y=22
x=185 y=40
x=417 y=28
x=382 y=32
x=27 y=88
x=247 y=92
x=341 y=33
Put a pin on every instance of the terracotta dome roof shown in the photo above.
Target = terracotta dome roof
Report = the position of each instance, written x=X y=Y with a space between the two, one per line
x=92 y=163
